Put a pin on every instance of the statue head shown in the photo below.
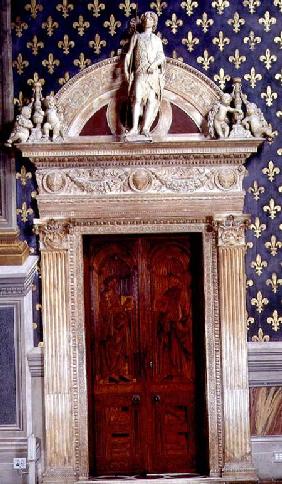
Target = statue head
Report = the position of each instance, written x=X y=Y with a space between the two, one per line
x=50 y=101
x=26 y=111
x=251 y=108
x=226 y=99
x=149 y=16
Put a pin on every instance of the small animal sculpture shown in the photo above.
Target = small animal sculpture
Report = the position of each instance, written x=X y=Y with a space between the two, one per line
x=22 y=127
x=219 y=124
x=54 y=120
x=256 y=123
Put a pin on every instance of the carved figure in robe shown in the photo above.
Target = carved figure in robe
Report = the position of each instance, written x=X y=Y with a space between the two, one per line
x=115 y=325
x=173 y=332
x=54 y=119
x=22 y=127
x=219 y=124
x=144 y=71
x=256 y=122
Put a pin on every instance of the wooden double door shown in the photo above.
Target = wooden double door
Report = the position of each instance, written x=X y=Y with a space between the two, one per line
x=141 y=365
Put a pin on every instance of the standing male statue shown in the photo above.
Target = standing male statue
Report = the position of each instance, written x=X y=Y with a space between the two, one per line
x=144 y=71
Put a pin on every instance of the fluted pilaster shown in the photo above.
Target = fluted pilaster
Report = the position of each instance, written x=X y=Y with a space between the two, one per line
x=231 y=252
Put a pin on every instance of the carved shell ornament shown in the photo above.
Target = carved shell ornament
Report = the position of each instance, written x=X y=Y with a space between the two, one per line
x=140 y=180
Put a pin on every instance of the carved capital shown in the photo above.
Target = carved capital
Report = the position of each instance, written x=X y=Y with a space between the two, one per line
x=53 y=234
x=231 y=231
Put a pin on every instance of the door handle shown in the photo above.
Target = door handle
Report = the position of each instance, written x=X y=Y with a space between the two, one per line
x=156 y=398
x=136 y=399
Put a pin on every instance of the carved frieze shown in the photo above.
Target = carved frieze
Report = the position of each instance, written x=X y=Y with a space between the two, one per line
x=167 y=179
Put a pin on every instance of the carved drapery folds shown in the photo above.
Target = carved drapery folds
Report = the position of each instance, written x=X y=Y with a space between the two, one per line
x=232 y=299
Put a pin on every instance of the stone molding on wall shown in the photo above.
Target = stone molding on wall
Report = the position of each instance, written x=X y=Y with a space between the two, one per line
x=35 y=360
x=18 y=282
x=265 y=364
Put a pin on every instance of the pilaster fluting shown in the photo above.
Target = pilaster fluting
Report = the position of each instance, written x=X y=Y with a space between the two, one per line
x=231 y=254
x=57 y=360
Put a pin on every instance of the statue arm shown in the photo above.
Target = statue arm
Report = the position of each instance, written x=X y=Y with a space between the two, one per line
x=160 y=57
x=128 y=57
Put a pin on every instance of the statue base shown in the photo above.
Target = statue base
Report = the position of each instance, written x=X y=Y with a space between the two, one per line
x=137 y=138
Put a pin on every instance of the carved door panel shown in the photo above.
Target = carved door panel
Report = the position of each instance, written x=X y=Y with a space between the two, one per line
x=141 y=370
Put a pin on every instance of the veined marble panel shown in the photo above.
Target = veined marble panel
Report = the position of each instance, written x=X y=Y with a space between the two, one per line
x=266 y=410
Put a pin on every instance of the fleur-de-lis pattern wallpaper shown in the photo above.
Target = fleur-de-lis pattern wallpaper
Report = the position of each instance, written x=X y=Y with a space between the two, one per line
x=223 y=39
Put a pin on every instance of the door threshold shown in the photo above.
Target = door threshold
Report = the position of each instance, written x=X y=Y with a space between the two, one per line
x=160 y=478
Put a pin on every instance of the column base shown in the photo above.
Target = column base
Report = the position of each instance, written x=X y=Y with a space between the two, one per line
x=64 y=475
x=239 y=471
x=13 y=252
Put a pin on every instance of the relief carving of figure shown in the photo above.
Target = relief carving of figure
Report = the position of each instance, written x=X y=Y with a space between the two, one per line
x=219 y=124
x=22 y=127
x=144 y=71
x=115 y=321
x=173 y=331
x=54 y=119
x=256 y=122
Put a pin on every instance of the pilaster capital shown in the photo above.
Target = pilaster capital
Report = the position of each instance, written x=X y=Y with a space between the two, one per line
x=231 y=230
x=53 y=234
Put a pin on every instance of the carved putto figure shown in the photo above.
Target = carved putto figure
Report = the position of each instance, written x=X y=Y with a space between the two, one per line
x=22 y=127
x=54 y=119
x=256 y=122
x=144 y=71
x=219 y=124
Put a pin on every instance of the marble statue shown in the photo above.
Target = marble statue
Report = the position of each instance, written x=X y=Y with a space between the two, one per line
x=54 y=120
x=219 y=124
x=256 y=123
x=22 y=127
x=144 y=71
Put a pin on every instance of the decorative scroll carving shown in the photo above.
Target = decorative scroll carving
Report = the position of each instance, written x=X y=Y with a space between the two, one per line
x=53 y=234
x=127 y=179
x=231 y=232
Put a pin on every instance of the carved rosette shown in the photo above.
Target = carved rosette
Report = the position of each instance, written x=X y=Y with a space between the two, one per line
x=53 y=234
x=231 y=232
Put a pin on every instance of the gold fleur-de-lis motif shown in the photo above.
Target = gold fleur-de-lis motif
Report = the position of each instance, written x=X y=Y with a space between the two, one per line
x=63 y=80
x=96 y=6
x=237 y=22
x=206 y=60
x=221 y=78
x=20 y=64
x=204 y=22
x=24 y=212
x=189 y=6
x=174 y=23
x=19 y=25
x=237 y=59
x=97 y=44
x=19 y=101
x=258 y=265
x=249 y=245
x=159 y=6
x=268 y=59
x=81 y=62
x=176 y=56
x=278 y=76
x=273 y=245
x=259 y=302
x=66 y=44
x=163 y=39
x=34 y=8
x=113 y=24
x=269 y=96
x=274 y=320
x=35 y=79
x=257 y=228
x=274 y=282
x=24 y=176
x=252 y=40
x=278 y=3
x=190 y=41
x=253 y=77
x=221 y=41
x=220 y=5
x=256 y=190
x=278 y=40
x=65 y=7
x=249 y=283
x=260 y=338
x=272 y=209
x=81 y=25
x=50 y=63
x=267 y=21
x=50 y=25
x=250 y=321
x=127 y=6
x=35 y=45
x=252 y=5
x=271 y=171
